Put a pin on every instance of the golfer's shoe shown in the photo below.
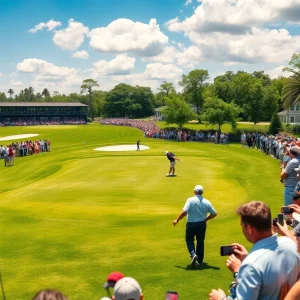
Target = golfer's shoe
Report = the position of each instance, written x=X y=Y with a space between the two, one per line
x=194 y=258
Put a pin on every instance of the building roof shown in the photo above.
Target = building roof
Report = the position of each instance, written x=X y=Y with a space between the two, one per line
x=42 y=104
x=282 y=113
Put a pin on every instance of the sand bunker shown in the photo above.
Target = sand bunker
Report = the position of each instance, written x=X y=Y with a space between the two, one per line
x=17 y=137
x=121 y=148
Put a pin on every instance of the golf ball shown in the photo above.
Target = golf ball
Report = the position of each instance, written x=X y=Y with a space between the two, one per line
x=133 y=180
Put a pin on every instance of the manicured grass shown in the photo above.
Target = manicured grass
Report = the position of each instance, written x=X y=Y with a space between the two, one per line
x=72 y=216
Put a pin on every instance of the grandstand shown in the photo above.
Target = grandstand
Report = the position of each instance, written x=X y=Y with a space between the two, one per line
x=42 y=112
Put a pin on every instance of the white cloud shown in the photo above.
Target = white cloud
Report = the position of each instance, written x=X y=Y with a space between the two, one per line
x=81 y=54
x=161 y=71
x=72 y=37
x=1 y=75
x=124 y=35
x=190 y=56
x=236 y=17
x=278 y=72
x=50 y=25
x=15 y=83
x=121 y=65
x=168 y=55
x=187 y=2
x=49 y=74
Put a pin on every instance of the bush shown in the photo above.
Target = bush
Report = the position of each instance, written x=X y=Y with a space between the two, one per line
x=89 y=120
x=275 y=125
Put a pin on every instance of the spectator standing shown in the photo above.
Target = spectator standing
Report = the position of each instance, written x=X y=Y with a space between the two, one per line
x=196 y=208
x=272 y=263
x=138 y=145
x=289 y=175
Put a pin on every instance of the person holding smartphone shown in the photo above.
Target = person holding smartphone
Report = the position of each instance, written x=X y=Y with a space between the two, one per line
x=198 y=210
x=272 y=263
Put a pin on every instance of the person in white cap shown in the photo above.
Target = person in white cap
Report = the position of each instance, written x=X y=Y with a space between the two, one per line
x=127 y=288
x=172 y=158
x=198 y=210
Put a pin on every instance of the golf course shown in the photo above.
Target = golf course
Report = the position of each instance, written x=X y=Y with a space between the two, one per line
x=71 y=216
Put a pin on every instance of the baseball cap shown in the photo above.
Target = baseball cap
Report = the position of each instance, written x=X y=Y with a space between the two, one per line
x=112 y=279
x=295 y=150
x=198 y=188
x=127 y=288
x=166 y=152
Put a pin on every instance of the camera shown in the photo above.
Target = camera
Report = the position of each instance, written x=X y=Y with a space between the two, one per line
x=287 y=210
x=226 y=250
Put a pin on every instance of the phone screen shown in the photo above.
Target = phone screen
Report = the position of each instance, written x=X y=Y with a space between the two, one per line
x=172 y=295
x=226 y=250
x=280 y=219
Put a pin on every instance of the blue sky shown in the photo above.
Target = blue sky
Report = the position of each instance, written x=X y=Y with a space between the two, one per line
x=57 y=44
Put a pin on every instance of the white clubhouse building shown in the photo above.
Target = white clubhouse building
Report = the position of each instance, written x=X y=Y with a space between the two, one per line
x=291 y=115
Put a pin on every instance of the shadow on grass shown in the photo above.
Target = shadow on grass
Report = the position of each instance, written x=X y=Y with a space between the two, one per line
x=203 y=266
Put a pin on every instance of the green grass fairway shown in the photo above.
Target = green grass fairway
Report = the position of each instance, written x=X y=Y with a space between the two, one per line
x=72 y=216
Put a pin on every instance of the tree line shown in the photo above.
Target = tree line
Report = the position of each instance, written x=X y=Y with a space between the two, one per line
x=234 y=96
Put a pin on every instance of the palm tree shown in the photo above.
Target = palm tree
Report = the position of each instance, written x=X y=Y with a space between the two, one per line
x=46 y=93
x=10 y=92
x=87 y=86
x=291 y=88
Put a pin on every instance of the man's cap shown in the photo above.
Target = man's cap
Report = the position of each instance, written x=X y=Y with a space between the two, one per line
x=198 y=188
x=112 y=279
x=127 y=288
x=166 y=152
x=295 y=150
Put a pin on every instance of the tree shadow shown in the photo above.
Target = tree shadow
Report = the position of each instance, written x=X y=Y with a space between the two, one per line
x=203 y=266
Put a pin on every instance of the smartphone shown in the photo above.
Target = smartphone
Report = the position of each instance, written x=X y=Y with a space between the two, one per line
x=275 y=220
x=226 y=250
x=280 y=219
x=287 y=210
x=172 y=295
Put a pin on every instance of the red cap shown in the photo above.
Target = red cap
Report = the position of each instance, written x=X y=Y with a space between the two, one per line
x=112 y=279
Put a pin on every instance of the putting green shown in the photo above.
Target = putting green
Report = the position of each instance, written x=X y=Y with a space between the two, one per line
x=72 y=216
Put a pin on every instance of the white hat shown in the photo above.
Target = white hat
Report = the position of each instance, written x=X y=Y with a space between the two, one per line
x=296 y=216
x=127 y=288
x=166 y=152
x=198 y=188
x=105 y=298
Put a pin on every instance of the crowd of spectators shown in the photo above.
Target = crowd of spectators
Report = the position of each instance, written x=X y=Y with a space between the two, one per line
x=22 y=149
x=35 y=123
x=151 y=130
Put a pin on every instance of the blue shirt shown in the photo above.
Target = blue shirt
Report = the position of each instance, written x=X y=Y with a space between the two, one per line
x=271 y=263
x=197 y=208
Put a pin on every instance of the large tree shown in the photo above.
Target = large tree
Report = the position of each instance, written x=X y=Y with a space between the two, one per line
x=10 y=92
x=167 y=88
x=218 y=112
x=291 y=88
x=46 y=93
x=177 y=111
x=87 y=87
x=193 y=85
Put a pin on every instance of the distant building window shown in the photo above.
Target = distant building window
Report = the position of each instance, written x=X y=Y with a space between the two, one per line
x=292 y=119
x=297 y=107
x=292 y=107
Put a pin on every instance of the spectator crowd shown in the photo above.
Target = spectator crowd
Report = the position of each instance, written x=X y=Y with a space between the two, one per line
x=22 y=149
x=34 y=123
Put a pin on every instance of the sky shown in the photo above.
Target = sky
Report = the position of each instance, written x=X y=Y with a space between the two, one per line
x=56 y=44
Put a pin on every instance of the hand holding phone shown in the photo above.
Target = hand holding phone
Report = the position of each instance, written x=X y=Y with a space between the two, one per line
x=226 y=250
x=172 y=295
x=280 y=219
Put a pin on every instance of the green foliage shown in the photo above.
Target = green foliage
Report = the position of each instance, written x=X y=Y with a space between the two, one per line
x=193 y=85
x=276 y=125
x=87 y=87
x=177 y=111
x=128 y=101
x=90 y=120
x=218 y=112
